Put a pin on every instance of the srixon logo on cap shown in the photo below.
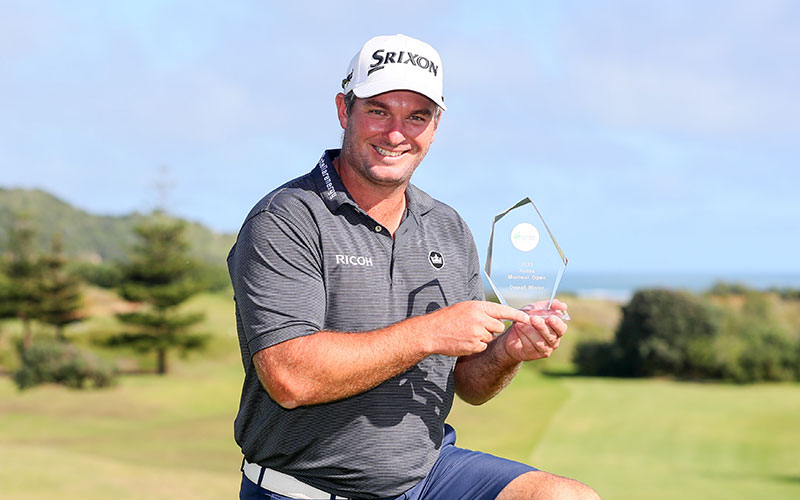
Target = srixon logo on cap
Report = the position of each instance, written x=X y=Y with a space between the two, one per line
x=383 y=58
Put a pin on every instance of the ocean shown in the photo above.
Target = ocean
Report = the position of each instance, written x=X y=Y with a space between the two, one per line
x=621 y=286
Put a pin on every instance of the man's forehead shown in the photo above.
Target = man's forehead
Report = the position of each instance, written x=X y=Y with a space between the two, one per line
x=400 y=97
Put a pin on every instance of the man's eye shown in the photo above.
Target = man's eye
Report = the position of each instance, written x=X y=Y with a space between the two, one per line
x=377 y=112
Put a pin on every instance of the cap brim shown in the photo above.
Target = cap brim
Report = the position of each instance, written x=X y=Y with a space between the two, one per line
x=370 y=89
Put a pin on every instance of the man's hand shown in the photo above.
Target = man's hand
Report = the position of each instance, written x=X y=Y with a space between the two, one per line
x=535 y=337
x=467 y=327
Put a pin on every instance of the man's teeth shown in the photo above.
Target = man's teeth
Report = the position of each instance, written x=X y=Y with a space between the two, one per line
x=385 y=152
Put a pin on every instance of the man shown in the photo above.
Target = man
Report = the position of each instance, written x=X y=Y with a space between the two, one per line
x=360 y=313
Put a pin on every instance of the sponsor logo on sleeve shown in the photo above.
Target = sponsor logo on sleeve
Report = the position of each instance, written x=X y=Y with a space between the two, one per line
x=326 y=177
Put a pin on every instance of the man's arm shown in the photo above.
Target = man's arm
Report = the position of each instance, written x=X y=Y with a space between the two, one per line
x=327 y=366
x=274 y=260
x=481 y=376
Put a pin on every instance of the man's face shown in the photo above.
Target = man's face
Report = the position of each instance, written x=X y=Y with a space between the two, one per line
x=386 y=136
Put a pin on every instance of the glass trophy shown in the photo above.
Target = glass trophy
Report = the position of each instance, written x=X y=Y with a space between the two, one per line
x=524 y=263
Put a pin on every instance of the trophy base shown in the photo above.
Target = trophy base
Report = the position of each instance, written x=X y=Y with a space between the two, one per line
x=546 y=313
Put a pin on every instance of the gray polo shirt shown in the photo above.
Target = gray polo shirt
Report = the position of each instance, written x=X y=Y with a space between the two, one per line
x=308 y=259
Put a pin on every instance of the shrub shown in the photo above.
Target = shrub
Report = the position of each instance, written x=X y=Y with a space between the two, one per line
x=678 y=334
x=104 y=275
x=598 y=358
x=786 y=293
x=59 y=363
x=724 y=289
x=211 y=277
x=773 y=359
x=662 y=332
x=764 y=353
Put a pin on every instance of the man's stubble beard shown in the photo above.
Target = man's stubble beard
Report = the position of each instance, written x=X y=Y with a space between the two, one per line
x=359 y=161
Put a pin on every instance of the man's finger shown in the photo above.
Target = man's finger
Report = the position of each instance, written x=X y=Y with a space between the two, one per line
x=495 y=325
x=540 y=326
x=499 y=311
x=557 y=305
x=529 y=343
x=557 y=326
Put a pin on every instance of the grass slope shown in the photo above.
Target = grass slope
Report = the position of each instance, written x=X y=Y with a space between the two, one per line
x=663 y=440
x=149 y=437
x=629 y=439
x=171 y=437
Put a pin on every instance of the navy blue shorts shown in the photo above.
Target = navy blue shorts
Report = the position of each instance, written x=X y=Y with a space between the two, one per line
x=457 y=473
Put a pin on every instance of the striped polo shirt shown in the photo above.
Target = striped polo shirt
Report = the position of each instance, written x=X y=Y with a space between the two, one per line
x=307 y=259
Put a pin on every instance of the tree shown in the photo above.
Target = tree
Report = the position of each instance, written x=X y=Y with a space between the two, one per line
x=664 y=332
x=59 y=290
x=6 y=308
x=22 y=274
x=159 y=276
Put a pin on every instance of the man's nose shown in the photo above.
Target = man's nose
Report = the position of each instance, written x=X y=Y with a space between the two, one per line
x=396 y=132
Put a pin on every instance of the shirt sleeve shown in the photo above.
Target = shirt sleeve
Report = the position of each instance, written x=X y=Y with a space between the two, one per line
x=276 y=273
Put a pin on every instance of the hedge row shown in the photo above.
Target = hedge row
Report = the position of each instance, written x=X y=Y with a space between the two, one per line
x=664 y=332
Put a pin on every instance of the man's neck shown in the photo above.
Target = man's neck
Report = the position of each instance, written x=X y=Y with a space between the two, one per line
x=385 y=204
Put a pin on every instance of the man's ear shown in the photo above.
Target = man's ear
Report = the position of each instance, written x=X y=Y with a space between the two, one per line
x=341 y=110
x=436 y=125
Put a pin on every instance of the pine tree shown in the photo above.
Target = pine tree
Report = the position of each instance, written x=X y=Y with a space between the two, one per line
x=59 y=290
x=159 y=275
x=22 y=274
x=6 y=307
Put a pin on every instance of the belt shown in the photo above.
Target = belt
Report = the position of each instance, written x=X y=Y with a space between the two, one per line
x=283 y=484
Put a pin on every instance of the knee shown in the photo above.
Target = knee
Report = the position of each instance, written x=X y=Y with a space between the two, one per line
x=588 y=493
x=569 y=489
x=542 y=485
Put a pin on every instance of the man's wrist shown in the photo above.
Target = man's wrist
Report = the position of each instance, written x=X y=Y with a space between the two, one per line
x=502 y=358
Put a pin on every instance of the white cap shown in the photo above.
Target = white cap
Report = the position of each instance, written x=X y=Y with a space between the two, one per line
x=396 y=62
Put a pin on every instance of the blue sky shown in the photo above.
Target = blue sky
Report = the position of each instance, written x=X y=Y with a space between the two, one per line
x=652 y=136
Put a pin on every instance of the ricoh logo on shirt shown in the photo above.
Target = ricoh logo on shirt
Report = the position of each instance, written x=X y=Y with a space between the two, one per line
x=354 y=260
x=383 y=58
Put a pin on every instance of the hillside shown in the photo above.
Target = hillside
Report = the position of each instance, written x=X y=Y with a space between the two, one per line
x=94 y=237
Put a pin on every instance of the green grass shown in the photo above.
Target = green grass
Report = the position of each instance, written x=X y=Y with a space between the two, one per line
x=149 y=437
x=653 y=439
x=513 y=423
x=659 y=439
x=171 y=437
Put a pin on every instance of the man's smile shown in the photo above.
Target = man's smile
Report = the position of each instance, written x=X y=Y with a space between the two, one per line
x=386 y=152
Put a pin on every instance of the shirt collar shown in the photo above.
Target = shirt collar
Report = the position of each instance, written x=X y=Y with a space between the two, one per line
x=334 y=193
x=329 y=184
x=418 y=201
